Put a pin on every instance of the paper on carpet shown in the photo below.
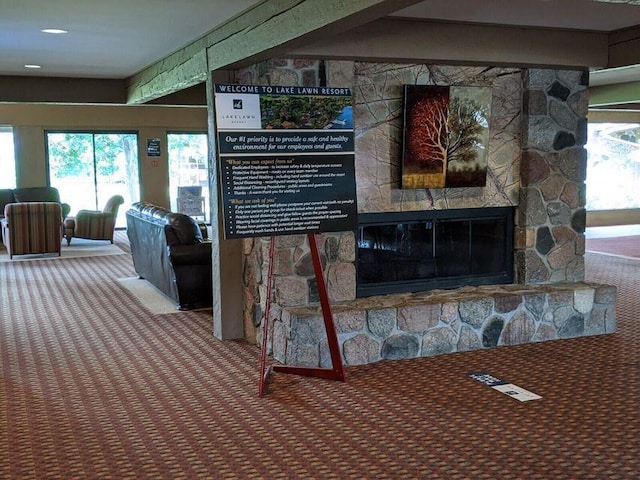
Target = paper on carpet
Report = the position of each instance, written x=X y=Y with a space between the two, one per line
x=156 y=302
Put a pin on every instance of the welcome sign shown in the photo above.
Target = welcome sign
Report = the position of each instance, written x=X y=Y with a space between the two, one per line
x=286 y=159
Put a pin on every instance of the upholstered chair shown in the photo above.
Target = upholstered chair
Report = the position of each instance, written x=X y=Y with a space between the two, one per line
x=32 y=227
x=94 y=224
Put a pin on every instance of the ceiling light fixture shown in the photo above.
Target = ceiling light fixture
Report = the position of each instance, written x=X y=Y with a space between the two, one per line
x=53 y=30
x=32 y=65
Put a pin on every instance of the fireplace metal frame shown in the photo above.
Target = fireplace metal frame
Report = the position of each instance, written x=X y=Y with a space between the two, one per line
x=438 y=216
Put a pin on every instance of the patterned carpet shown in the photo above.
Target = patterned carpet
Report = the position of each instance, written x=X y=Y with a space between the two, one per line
x=626 y=246
x=95 y=387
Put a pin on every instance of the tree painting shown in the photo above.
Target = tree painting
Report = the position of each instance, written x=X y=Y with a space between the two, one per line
x=446 y=135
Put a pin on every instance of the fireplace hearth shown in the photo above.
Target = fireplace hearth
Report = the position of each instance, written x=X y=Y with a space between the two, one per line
x=426 y=250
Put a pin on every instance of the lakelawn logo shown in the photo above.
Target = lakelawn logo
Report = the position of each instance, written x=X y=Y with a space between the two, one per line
x=237 y=111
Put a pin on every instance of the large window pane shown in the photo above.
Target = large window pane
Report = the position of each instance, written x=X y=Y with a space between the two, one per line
x=71 y=169
x=7 y=159
x=88 y=168
x=116 y=160
x=613 y=168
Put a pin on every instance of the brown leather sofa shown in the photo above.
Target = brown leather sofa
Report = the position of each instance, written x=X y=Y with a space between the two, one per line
x=172 y=252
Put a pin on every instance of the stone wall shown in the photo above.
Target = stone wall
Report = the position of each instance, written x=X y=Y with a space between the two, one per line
x=536 y=161
x=378 y=120
x=551 y=215
x=438 y=322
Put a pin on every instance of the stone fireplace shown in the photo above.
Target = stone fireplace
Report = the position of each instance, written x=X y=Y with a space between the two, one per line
x=536 y=171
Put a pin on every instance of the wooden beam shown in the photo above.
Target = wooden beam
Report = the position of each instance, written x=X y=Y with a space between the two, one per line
x=178 y=71
x=306 y=22
x=61 y=90
x=263 y=31
x=624 y=47
x=406 y=40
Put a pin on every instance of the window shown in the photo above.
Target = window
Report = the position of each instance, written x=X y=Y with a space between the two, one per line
x=7 y=159
x=188 y=173
x=613 y=166
x=88 y=168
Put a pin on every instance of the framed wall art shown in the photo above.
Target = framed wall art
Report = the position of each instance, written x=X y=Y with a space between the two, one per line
x=446 y=135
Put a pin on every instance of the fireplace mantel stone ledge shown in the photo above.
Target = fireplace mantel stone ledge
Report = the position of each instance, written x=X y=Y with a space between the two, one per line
x=423 y=324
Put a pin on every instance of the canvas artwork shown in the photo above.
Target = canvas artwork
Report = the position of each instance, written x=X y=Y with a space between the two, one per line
x=446 y=135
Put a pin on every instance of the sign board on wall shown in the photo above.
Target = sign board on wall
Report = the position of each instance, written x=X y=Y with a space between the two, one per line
x=286 y=159
x=153 y=147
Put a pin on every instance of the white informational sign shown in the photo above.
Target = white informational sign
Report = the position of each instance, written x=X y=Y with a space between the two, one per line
x=510 y=389
x=516 y=392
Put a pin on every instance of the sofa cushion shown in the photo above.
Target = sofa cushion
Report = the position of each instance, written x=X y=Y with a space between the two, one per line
x=36 y=194
x=185 y=228
x=6 y=196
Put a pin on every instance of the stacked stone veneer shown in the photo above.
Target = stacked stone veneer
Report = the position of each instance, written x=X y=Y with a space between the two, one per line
x=437 y=322
x=551 y=215
x=536 y=161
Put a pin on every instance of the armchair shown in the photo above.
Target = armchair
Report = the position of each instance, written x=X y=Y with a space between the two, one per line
x=32 y=227
x=94 y=224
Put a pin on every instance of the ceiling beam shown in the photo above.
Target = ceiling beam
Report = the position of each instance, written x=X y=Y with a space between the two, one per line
x=263 y=31
x=624 y=47
x=405 y=40
x=61 y=90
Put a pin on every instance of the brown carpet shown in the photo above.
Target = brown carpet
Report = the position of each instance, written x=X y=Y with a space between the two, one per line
x=628 y=246
x=95 y=387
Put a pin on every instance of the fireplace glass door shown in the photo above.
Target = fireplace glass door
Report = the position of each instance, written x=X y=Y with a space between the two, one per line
x=444 y=249
x=396 y=252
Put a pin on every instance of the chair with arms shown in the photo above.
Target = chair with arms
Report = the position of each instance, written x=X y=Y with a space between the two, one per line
x=94 y=224
x=32 y=227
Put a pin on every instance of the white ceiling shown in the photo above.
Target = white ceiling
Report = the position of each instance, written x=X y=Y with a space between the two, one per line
x=118 y=38
x=107 y=38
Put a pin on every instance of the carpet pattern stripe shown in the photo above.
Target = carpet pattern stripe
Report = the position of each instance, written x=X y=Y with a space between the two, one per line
x=625 y=246
x=96 y=387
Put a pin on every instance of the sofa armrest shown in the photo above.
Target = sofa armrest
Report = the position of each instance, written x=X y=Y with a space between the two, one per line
x=66 y=208
x=197 y=254
x=203 y=229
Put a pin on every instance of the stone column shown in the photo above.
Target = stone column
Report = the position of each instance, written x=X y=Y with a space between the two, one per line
x=551 y=215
